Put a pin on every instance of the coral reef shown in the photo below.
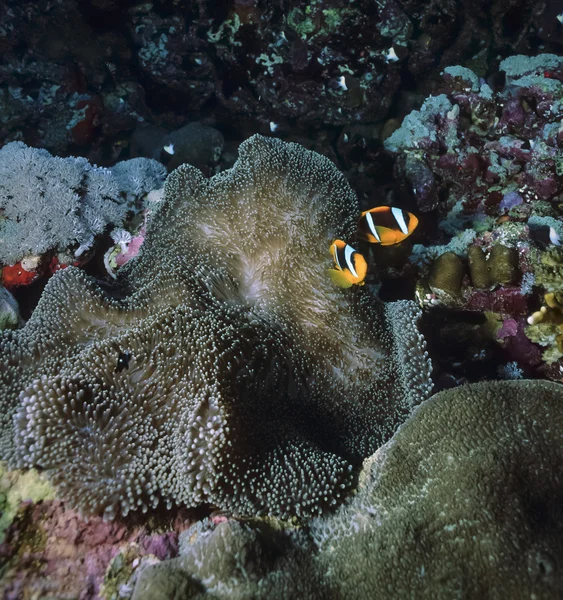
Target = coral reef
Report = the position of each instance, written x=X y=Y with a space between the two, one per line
x=471 y=469
x=194 y=143
x=241 y=65
x=485 y=156
x=546 y=327
x=548 y=269
x=50 y=551
x=461 y=502
x=59 y=205
x=10 y=317
x=446 y=275
x=236 y=560
x=186 y=347
x=225 y=367
x=17 y=487
x=487 y=164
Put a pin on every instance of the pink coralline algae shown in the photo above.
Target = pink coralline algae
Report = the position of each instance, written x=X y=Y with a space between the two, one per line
x=50 y=548
x=488 y=149
x=508 y=329
x=506 y=301
x=485 y=157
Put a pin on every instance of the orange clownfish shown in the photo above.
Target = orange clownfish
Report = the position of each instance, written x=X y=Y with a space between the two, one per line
x=386 y=225
x=350 y=266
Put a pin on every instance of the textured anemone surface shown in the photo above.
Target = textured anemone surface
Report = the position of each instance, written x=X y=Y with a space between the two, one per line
x=224 y=367
x=463 y=502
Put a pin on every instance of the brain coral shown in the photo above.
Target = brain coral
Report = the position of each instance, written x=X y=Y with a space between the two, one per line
x=463 y=502
x=223 y=367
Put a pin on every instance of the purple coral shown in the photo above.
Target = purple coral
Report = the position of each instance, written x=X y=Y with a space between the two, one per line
x=510 y=200
x=468 y=149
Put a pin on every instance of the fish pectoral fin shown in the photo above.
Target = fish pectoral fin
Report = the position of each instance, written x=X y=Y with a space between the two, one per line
x=339 y=278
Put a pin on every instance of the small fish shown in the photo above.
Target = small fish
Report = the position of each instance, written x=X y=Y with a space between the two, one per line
x=386 y=225
x=123 y=361
x=169 y=149
x=351 y=266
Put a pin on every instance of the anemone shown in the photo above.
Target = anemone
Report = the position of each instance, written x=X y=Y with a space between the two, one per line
x=223 y=367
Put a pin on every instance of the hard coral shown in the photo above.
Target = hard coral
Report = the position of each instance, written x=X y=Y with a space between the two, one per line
x=10 y=317
x=232 y=371
x=546 y=327
x=472 y=468
x=235 y=560
x=482 y=162
x=488 y=161
x=546 y=324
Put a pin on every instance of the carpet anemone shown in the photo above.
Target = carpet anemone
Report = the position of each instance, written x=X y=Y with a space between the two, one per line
x=225 y=367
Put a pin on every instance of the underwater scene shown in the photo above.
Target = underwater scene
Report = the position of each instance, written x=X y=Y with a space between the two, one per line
x=281 y=299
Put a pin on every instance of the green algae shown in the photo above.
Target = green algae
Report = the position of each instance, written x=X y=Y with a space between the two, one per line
x=17 y=487
x=307 y=24
x=546 y=335
x=549 y=269
x=119 y=571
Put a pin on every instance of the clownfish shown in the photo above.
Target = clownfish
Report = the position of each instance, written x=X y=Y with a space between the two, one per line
x=386 y=225
x=350 y=266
